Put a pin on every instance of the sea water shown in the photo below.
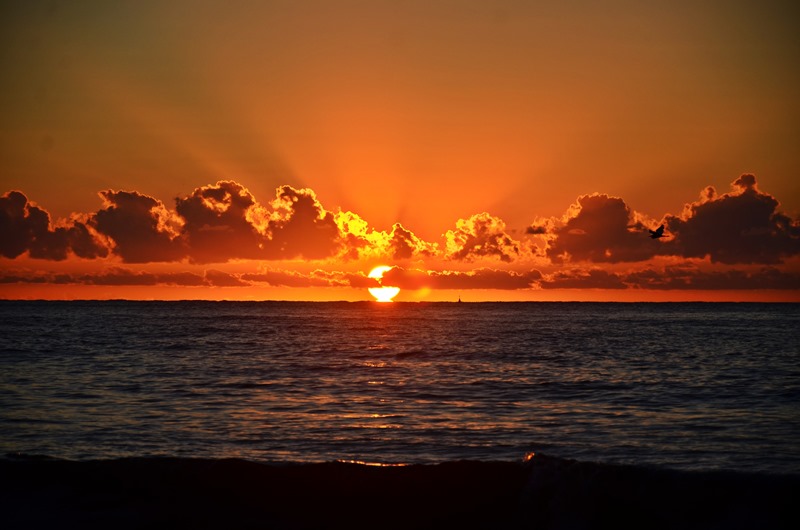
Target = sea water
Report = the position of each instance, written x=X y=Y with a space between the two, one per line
x=689 y=386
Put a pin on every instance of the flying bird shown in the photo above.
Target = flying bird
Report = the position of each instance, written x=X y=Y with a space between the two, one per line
x=657 y=233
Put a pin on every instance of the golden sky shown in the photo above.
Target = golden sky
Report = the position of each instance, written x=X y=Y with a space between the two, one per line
x=508 y=150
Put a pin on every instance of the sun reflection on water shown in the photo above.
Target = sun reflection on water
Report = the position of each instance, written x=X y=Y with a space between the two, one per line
x=372 y=464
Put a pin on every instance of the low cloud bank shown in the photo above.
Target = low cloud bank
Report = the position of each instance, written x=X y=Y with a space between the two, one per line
x=735 y=240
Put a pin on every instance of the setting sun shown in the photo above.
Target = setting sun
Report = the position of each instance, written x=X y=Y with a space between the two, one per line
x=382 y=293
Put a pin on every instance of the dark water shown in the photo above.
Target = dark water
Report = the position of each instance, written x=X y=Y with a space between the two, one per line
x=682 y=386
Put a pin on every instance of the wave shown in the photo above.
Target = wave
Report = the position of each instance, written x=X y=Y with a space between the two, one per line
x=542 y=492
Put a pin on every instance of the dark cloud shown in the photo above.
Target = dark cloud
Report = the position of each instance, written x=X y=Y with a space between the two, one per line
x=16 y=224
x=84 y=243
x=536 y=230
x=180 y=278
x=360 y=280
x=223 y=279
x=480 y=236
x=300 y=227
x=117 y=276
x=114 y=276
x=224 y=222
x=141 y=227
x=680 y=277
x=297 y=279
x=674 y=278
x=213 y=224
x=403 y=244
x=122 y=276
x=483 y=278
x=599 y=228
x=583 y=279
x=17 y=277
x=743 y=226
x=218 y=224
x=26 y=227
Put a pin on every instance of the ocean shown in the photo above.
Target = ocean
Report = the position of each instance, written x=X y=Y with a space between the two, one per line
x=687 y=386
x=292 y=415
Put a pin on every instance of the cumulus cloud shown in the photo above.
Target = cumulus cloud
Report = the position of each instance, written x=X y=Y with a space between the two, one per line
x=598 y=228
x=404 y=244
x=218 y=223
x=743 y=226
x=481 y=236
x=213 y=224
x=141 y=227
x=25 y=227
x=83 y=241
x=360 y=241
x=223 y=221
x=300 y=227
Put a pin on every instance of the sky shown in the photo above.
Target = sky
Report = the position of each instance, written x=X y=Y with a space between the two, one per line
x=503 y=150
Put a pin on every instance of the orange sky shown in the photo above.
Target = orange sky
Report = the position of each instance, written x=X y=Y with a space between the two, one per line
x=524 y=147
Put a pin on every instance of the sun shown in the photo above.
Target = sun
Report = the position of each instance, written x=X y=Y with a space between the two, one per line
x=382 y=293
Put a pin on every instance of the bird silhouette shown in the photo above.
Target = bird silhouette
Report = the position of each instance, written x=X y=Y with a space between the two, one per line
x=657 y=233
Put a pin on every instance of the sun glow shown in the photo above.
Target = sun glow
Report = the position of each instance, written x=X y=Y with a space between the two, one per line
x=382 y=293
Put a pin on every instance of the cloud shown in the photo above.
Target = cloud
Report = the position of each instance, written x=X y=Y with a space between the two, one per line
x=483 y=278
x=536 y=230
x=360 y=241
x=675 y=278
x=141 y=227
x=224 y=221
x=678 y=277
x=481 y=236
x=301 y=227
x=24 y=227
x=117 y=276
x=218 y=223
x=223 y=279
x=403 y=244
x=17 y=277
x=598 y=228
x=279 y=278
x=583 y=279
x=213 y=224
x=120 y=276
x=84 y=241
x=743 y=226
